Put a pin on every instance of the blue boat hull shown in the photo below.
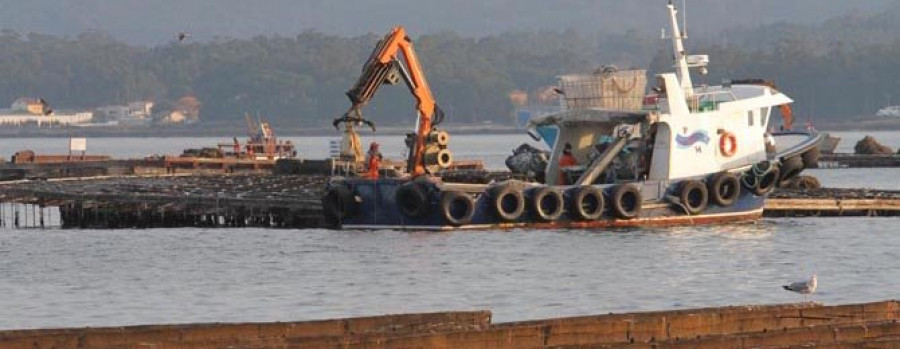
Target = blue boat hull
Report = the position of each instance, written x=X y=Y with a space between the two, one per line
x=377 y=208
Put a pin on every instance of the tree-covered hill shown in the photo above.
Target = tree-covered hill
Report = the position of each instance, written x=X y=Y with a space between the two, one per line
x=151 y=22
x=841 y=67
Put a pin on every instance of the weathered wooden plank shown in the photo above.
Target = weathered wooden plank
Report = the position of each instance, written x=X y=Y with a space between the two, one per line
x=833 y=204
x=720 y=327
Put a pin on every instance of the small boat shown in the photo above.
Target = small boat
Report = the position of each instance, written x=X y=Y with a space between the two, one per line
x=829 y=143
x=892 y=111
x=689 y=155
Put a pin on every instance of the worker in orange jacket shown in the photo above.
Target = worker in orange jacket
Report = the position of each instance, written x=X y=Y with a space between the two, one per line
x=565 y=160
x=373 y=161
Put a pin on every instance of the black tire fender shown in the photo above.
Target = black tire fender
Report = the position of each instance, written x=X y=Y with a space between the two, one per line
x=339 y=203
x=749 y=180
x=791 y=167
x=412 y=199
x=587 y=203
x=626 y=201
x=693 y=196
x=767 y=182
x=811 y=158
x=547 y=204
x=457 y=208
x=724 y=189
x=507 y=202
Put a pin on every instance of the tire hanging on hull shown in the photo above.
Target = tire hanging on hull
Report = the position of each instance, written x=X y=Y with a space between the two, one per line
x=587 y=203
x=547 y=204
x=507 y=202
x=412 y=199
x=338 y=204
x=626 y=201
x=790 y=168
x=457 y=208
x=724 y=189
x=693 y=196
x=767 y=181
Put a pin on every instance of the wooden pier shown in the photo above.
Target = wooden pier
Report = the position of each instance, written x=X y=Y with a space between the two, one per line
x=282 y=201
x=868 y=325
x=858 y=161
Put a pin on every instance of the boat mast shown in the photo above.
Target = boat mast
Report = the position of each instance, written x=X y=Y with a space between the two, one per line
x=681 y=63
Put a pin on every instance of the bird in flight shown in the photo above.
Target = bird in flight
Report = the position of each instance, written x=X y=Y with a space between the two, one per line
x=182 y=36
x=803 y=287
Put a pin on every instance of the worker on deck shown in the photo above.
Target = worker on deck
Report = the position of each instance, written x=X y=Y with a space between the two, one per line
x=566 y=160
x=373 y=161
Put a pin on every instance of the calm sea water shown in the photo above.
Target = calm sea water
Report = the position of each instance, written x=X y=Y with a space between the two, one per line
x=70 y=278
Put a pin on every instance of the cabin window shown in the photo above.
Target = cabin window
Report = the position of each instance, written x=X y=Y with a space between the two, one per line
x=750 y=118
x=763 y=117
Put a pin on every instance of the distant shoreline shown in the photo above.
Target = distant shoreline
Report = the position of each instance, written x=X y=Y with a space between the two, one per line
x=229 y=131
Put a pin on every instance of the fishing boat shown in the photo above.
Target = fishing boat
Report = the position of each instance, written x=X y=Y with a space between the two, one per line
x=690 y=155
x=829 y=143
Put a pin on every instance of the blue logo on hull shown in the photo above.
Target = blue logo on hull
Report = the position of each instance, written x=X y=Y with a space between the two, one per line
x=685 y=142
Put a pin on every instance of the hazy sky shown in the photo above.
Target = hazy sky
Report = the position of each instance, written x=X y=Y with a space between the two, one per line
x=157 y=21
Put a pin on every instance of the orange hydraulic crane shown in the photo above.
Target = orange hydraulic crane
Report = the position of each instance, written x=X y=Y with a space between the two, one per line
x=385 y=66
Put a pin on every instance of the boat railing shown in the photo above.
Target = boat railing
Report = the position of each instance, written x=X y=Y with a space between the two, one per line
x=699 y=102
x=607 y=88
x=709 y=101
x=606 y=103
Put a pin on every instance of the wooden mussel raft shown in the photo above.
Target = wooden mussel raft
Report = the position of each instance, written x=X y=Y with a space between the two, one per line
x=686 y=155
x=170 y=201
x=867 y=325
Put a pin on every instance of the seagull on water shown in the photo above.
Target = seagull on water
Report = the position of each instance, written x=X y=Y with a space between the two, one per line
x=803 y=287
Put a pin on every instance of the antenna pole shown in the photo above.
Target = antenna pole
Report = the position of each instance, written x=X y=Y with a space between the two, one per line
x=684 y=19
x=684 y=74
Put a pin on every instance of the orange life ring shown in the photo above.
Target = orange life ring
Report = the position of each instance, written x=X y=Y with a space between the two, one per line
x=728 y=144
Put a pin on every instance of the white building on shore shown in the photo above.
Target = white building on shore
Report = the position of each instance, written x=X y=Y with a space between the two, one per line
x=35 y=111
x=134 y=114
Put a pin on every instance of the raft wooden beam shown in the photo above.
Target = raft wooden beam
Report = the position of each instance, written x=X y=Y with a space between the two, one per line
x=833 y=202
x=783 y=325
x=858 y=161
x=838 y=205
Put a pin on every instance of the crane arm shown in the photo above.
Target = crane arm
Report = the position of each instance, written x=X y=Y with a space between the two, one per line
x=380 y=68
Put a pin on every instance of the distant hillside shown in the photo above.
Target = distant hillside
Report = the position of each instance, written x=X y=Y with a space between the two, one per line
x=834 y=68
x=156 y=21
x=849 y=29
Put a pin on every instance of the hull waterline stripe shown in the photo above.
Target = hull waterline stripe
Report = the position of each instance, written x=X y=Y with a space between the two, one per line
x=673 y=220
